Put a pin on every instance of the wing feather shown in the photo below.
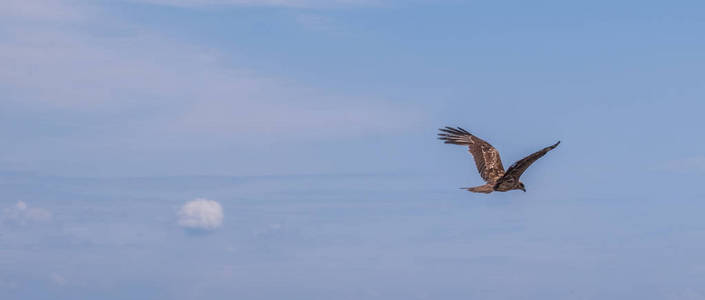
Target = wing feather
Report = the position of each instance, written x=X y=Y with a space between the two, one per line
x=518 y=168
x=487 y=159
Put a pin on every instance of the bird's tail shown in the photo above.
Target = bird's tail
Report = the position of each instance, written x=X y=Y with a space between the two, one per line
x=486 y=189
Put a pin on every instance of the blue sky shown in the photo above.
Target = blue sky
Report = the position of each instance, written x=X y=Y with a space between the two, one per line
x=313 y=124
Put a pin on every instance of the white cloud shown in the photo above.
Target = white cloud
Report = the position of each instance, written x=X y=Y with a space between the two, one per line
x=201 y=214
x=23 y=214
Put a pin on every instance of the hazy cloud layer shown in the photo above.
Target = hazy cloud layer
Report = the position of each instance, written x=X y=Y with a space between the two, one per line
x=685 y=165
x=104 y=87
x=412 y=236
x=47 y=10
x=23 y=214
x=177 y=87
x=201 y=214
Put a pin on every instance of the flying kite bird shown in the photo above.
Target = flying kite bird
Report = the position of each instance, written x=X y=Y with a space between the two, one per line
x=488 y=162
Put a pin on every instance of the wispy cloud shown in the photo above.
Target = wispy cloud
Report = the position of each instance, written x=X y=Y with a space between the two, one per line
x=119 y=85
x=287 y=3
x=171 y=88
x=40 y=10
x=178 y=85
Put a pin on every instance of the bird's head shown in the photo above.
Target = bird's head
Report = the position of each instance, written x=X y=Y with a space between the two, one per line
x=521 y=186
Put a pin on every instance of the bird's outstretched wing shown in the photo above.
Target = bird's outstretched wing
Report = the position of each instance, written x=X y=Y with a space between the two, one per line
x=518 y=168
x=486 y=157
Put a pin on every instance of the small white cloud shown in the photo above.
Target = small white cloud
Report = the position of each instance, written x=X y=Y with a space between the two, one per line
x=201 y=214
x=23 y=214
x=21 y=205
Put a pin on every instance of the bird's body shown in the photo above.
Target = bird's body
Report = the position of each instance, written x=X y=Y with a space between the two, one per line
x=488 y=162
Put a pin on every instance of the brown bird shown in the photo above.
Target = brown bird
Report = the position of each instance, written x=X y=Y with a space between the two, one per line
x=488 y=162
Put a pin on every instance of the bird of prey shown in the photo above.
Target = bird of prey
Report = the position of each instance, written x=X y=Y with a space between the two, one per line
x=488 y=162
